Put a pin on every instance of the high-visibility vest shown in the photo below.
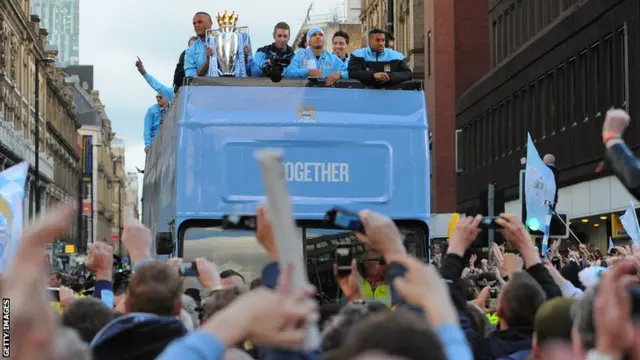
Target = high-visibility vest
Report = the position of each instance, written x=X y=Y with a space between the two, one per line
x=493 y=319
x=381 y=293
x=58 y=307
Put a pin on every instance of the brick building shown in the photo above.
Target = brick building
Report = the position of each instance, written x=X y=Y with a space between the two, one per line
x=448 y=58
x=557 y=67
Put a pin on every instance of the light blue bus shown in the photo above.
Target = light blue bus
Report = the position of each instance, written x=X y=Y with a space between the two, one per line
x=347 y=146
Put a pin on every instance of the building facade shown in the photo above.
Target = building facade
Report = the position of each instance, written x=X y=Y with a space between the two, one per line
x=132 y=198
x=23 y=46
x=119 y=193
x=456 y=53
x=556 y=69
x=344 y=19
x=446 y=45
x=97 y=182
x=62 y=19
x=62 y=125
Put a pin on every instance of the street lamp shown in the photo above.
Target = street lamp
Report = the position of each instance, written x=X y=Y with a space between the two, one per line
x=36 y=164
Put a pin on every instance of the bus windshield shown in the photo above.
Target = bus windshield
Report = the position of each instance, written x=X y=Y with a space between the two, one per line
x=240 y=251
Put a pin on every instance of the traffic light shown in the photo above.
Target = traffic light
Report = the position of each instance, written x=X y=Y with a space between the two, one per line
x=557 y=228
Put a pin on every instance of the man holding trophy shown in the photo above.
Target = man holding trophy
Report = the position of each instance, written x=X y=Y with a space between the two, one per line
x=231 y=48
x=197 y=55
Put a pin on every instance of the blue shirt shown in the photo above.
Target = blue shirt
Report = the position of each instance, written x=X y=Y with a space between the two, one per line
x=329 y=63
x=156 y=85
x=194 y=58
x=152 y=123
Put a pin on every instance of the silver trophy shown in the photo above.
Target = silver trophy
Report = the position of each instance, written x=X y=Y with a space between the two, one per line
x=227 y=42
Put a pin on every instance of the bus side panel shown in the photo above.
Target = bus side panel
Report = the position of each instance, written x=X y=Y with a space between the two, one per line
x=159 y=190
x=349 y=147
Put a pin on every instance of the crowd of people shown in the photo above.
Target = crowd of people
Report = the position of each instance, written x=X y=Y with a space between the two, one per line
x=376 y=65
x=575 y=302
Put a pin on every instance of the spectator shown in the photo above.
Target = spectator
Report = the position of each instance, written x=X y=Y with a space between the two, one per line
x=390 y=40
x=231 y=277
x=154 y=288
x=69 y=346
x=87 y=316
x=518 y=303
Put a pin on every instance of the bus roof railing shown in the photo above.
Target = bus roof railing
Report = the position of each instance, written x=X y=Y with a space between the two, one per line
x=415 y=85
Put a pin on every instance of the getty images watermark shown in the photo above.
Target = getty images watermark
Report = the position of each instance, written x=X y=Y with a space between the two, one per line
x=6 y=328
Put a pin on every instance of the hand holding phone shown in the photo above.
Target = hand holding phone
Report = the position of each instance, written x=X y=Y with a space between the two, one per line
x=189 y=270
x=493 y=298
x=489 y=222
x=344 y=219
x=54 y=293
x=344 y=258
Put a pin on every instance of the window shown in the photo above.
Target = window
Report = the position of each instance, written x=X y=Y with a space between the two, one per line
x=512 y=117
x=550 y=101
x=571 y=92
x=608 y=71
x=429 y=50
x=594 y=81
x=495 y=43
x=459 y=141
x=622 y=90
x=560 y=98
x=532 y=111
x=583 y=85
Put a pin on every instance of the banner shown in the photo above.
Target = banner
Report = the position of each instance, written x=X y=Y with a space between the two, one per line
x=630 y=224
x=540 y=192
x=12 y=191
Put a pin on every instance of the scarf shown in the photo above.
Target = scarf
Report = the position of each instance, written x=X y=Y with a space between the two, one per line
x=308 y=56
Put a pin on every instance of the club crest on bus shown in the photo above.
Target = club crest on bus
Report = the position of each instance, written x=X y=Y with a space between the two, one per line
x=306 y=114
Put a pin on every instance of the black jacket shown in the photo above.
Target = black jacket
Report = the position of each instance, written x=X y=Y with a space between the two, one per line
x=364 y=63
x=626 y=166
x=178 y=74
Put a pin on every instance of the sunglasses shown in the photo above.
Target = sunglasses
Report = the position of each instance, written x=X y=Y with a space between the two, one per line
x=158 y=97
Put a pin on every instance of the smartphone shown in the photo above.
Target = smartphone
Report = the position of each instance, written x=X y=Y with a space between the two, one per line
x=493 y=298
x=489 y=222
x=189 y=270
x=344 y=219
x=396 y=299
x=555 y=261
x=54 y=293
x=344 y=258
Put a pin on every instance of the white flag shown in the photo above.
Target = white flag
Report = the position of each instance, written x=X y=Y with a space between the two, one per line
x=630 y=224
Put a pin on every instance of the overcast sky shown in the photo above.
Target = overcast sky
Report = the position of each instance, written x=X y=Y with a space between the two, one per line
x=114 y=32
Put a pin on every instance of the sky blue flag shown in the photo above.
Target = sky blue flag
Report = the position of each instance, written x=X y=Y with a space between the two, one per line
x=540 y=192
x=611 y=245
x=539 y=188
x=630 y=223
x=12 y=183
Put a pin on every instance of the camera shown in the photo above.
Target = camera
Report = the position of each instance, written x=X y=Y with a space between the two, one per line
x=189 y=270
x=344 y=257
x=493 y=298
x=274 y=67
x=489 y=222
x=344 y=219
